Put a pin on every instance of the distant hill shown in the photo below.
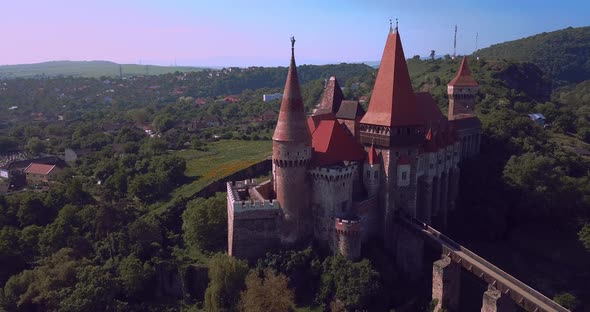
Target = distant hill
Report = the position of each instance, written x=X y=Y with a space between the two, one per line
x=563 y=54
x=85 y=69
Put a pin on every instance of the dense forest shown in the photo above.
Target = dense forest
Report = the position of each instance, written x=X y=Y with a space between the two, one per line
x=114 y=234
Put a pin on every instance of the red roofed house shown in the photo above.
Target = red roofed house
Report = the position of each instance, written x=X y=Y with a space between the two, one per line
x=341 y=176
x=230 y=99
x=41 y=173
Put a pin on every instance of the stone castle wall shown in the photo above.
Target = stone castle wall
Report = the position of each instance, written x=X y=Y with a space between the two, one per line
x=331 y=196
x=253 y=226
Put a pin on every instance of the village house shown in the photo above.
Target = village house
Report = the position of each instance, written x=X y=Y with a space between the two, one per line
x=41 y=173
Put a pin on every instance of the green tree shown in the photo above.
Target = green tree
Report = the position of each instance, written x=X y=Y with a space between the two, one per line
x=353 y=284
x=226 y=281
x=135 y=276
x=35 y=146
x=204 y=223
x=567 y=300
x=584 y=235
x=45 y=286
x=268 y=293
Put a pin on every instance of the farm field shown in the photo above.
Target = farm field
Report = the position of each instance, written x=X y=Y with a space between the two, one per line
x=221 y=159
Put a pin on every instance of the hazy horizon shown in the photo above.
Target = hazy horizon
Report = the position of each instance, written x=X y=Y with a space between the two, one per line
x=256 y=33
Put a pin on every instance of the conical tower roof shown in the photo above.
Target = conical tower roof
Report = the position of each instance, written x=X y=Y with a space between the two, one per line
x=292 y=124
x=463 y=78
x=392 y=102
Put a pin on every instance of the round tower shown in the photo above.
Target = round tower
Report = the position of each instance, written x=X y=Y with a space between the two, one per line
x=462 y=90
x=291 y=157
x=348 y=237
x=371 y=172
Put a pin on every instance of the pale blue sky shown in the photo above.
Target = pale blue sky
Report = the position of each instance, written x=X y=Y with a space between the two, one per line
x=256 y=32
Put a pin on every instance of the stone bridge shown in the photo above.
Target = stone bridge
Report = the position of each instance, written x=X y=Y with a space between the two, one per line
x=504 y=293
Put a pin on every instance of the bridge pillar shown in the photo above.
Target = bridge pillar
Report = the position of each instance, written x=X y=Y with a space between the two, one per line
x=454 y=175
x=494 y=301
x=443 y=209
x=446 y=284
x=435 y=201
x=424 y=211
x=409 y=253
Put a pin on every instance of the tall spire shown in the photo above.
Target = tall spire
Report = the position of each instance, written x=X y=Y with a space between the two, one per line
x=393 y=102
x=464 y=78
x=292 y=124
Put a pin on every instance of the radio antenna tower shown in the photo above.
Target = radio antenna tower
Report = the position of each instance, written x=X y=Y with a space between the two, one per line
x=476 y=37
x=455 y=43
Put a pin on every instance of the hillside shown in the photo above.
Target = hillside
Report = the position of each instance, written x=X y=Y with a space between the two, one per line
x=86 y=69
x=562 y=54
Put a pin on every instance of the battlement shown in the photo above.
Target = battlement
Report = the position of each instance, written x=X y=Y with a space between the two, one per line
x=241 y=204
x=243 y=184
x=333 y=173
x=346 y=226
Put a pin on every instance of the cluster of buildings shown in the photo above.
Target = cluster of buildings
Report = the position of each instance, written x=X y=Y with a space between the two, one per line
x=342 y=175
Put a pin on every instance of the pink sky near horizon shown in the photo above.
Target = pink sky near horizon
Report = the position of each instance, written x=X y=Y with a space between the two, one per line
x=201 y=32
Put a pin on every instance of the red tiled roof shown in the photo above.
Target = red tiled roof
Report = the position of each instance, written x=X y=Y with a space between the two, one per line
x=331 y=98
x=372 y=156
x=39 y=169
x=429 y=110
x=332 y=145
x=292 y=125
x=392 y=102
x=314 y=120
x=464 y=78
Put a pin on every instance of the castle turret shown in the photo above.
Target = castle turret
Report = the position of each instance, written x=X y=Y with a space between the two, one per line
x=462 y=90
x=372 y=172
x=348 y=237
x=291 y=157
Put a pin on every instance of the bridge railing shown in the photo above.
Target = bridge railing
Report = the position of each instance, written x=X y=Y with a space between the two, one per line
x=453 y=246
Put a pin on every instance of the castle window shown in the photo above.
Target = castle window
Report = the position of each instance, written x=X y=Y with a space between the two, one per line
x=408 y=130
x=431 y=166
x=368 y=174
x=376 y=174
x=404 y=175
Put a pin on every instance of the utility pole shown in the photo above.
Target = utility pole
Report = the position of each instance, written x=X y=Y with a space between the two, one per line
x=455 y=43
x=120 y=71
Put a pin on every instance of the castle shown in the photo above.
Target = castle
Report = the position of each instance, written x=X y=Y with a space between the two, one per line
x=341 y=176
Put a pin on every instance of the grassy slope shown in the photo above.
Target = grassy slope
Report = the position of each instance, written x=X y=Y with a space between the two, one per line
x=222 y=159
x=564 y=54
x=85 y=69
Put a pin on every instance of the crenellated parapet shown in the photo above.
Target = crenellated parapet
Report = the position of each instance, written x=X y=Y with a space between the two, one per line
x=349 y=227
x=333 y=173
x=240 y=204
